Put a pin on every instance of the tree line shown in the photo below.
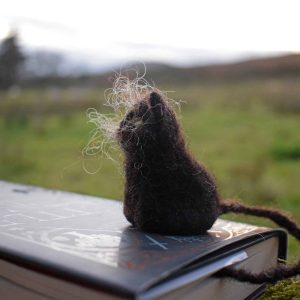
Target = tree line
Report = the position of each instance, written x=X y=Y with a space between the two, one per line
x=11 y=60
x=18 y=66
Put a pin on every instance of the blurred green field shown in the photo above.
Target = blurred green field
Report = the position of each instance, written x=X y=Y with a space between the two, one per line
x=246 y=133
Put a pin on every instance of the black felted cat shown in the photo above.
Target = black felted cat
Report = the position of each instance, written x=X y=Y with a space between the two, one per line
x=167 y=191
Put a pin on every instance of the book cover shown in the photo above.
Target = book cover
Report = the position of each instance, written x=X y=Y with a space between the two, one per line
x=87 y=240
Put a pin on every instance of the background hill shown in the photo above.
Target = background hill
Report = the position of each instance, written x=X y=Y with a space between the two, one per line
x=287 y=66
x=270 y=67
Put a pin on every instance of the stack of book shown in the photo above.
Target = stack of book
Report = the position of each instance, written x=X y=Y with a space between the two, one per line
x=59 y=245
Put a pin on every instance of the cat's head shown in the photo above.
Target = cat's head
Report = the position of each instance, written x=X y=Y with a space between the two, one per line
x=150 y=122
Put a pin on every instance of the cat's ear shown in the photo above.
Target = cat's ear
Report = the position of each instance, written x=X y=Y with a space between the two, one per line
x=143 y=108
x=156 y=104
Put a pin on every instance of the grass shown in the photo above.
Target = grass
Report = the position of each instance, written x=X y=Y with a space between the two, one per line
x=284 y=290
x=246 y=133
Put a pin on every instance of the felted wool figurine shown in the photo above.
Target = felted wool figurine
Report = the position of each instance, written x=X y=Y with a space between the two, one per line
x=166 y=190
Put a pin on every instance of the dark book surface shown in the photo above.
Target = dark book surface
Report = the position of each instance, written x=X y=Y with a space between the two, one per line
x=87 y=240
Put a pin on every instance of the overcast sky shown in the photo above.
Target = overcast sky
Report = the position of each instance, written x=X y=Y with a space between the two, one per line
x=181 y=32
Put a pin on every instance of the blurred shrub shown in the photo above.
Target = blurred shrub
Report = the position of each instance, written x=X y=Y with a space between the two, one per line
x=38 y=104
x=286 y=152
x=286 y=104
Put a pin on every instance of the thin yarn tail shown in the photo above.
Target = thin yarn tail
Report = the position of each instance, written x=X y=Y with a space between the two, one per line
x=274 y=215
x=272 y=275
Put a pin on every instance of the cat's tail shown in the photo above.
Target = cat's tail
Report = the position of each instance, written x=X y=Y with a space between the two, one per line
x=274 y=215
x=272 y=275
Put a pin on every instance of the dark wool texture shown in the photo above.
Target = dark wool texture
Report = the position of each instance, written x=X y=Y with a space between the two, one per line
x=167 y=191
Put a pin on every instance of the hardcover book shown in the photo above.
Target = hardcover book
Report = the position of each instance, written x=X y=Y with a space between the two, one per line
x=60 y=245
